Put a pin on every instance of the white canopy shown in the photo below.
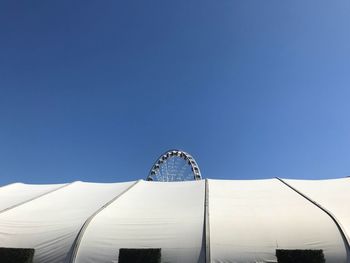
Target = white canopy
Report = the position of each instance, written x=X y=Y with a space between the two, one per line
x=236 y=221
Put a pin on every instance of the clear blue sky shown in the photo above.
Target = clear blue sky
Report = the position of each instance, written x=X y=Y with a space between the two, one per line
x=96 y=90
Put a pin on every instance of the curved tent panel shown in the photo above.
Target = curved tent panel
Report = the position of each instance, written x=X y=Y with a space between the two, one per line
x=249 y=220
x=17 y=193
x=333 y=195
x=49 y=224
x=169 y=216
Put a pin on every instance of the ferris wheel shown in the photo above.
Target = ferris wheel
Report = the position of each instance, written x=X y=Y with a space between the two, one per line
x=174 y=165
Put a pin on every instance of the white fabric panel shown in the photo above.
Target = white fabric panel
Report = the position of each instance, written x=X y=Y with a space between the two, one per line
x=249 y=220
x=17 y=193
x=50 y=223
x=333 y=195
x=162 y=215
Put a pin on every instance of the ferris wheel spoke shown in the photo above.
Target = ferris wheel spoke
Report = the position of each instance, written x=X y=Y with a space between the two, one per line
x=183 y=168
x=167 y=170
x=175 y=159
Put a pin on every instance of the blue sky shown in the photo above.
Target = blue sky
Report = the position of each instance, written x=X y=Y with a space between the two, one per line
x=96 y=90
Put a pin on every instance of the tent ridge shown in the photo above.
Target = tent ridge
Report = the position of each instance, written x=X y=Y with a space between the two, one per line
x=207 y=225
x=330 y=214
x=34 y=198
x=75 y=247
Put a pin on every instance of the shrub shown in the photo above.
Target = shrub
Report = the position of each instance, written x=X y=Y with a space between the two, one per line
x=136 y=255
x=16 y=255
x=300 y=256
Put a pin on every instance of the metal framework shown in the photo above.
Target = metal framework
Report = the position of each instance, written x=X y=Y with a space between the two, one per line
x=174 y=165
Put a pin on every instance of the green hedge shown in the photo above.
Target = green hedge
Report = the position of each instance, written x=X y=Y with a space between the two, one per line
x=300 y=256
x=135 y=255
x=16 y=255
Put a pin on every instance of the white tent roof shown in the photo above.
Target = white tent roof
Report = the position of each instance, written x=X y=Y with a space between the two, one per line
x=197 y=221
x=249 y=220
x=14 y=194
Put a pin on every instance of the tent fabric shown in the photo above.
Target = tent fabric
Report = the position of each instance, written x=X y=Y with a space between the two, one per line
x=333 y=195
x=15 y=194
x=169 y=216
x=249 y=220
x=50 y=224
x=244 y=220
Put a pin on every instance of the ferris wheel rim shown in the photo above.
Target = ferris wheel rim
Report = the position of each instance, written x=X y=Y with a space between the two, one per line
x=178 y=153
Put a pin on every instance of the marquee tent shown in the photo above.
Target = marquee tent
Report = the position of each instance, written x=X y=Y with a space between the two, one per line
x=226 y=221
